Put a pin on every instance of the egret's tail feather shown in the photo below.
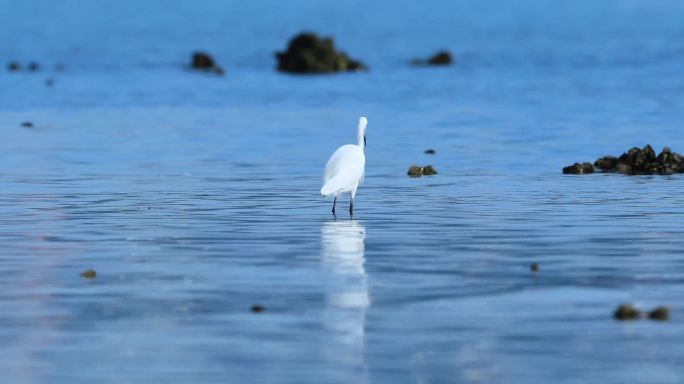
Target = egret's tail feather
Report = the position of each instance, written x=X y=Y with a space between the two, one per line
x=346 y=180
x=332 y=187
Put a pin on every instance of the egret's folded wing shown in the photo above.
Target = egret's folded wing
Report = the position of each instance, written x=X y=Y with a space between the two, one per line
x=345 y=180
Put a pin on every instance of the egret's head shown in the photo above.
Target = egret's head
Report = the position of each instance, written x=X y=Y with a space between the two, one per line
x=363 y=123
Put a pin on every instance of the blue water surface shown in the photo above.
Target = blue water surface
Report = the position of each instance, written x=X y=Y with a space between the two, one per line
x=195 y=196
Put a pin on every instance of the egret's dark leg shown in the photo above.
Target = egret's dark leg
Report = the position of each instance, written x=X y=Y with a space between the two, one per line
x=334 y=201
x=351 y=207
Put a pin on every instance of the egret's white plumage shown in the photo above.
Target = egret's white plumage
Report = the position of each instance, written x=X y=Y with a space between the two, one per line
x=345 y=168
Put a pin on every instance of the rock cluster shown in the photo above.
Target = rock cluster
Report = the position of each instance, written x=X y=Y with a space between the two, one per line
x=416 y=171
x=630 y=312
x=309 y=53
x=636 y=161
x=14 y=66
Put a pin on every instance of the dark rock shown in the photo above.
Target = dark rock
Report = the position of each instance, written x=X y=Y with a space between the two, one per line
x=13 y=66
x=204 y=62
x=309 y=53
x=579 y=169
x=440 y=58
x=415 y=171
x=660 y=313
x=606 y=163
x=430 y=151
x=257 y=308
x=27 y=124
x=49 y=82
x=534 y=267
x=89 y=274
x=428 y=170
x=627 y=312
x=623 y=168
x=640 y=161
x=33 y=66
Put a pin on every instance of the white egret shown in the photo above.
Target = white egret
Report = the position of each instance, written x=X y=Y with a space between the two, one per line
x=345 y=168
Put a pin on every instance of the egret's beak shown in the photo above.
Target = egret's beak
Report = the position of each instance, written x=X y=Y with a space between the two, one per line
x=364 y=140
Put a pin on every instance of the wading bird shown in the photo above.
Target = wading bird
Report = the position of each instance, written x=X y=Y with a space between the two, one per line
x=345 y=168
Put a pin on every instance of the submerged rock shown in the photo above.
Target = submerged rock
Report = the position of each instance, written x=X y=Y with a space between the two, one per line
x=429 y=151
x=534 y=267
x=13 y=66
x=89 y=274
x=309 y=53
x=257 y=308
x=204 y=62
x=439 y=58
x=637 y=161
x=33 y=66
x=579 y=169
x=660 y=313
x=27 y=124
x=627 y=312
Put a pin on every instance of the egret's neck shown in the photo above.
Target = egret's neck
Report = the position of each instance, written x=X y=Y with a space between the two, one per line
x=361 y=134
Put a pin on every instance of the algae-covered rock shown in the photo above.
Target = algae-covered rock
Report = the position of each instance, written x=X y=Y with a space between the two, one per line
x=415 y=171
x=606 y=163
x=643 y=161
x=89 y=274
x=627 y=312
x=660 y=313
x=579 y=169
x=309 y=53
x=428 y=170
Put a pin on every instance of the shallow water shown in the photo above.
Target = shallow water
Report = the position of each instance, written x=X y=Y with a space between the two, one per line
x=196 y=197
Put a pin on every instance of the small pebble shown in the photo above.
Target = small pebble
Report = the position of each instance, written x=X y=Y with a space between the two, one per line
x=89 y=274
x=534 y=267
x=27 y=124
x=257 y=308
x=660 y=313
x=627 y=312
x=429 y=151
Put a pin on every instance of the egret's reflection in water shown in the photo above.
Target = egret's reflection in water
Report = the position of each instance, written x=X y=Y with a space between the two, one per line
x=347 y=295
